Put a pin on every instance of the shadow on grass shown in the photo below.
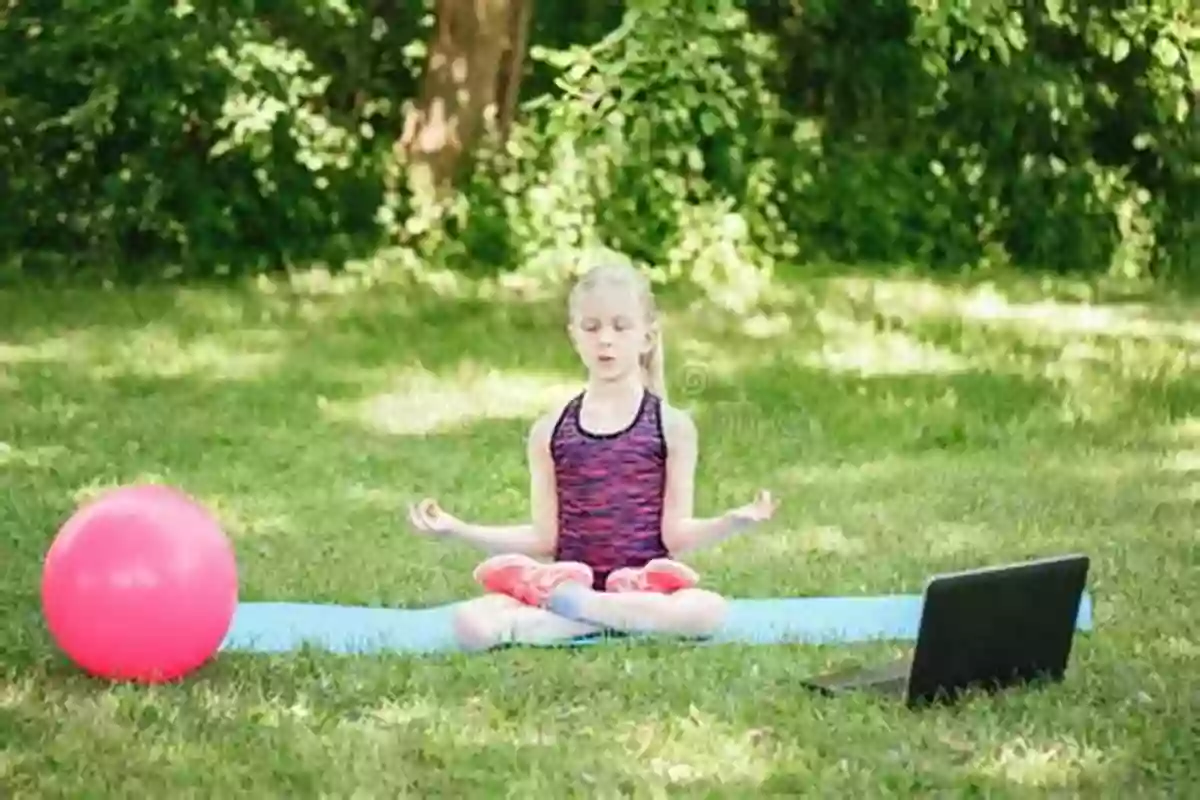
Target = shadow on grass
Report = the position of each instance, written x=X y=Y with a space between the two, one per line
x=903 y=440
x=518 y=722
x=308 y=420
x=315 y=498
x=241 y=741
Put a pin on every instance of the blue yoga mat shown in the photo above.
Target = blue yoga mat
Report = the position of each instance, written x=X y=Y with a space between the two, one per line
x=285 y=627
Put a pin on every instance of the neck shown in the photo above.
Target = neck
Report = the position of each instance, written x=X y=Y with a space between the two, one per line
x=626 y=389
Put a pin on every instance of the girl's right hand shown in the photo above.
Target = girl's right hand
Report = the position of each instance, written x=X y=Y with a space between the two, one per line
x=427 y=517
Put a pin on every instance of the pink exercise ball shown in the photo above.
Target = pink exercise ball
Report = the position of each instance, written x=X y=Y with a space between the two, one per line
x=140 y=585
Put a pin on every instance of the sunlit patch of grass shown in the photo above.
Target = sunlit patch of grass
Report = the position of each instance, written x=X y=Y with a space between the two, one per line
x=1178 y=467
x=1183 y=461
x=94 y=489
x=15 y=693
x=154 y=351
x=679 y=752
x=421 y=402
x=157 y=353
x=38 y=457
x=53 y=349
x=1180 y=647
x=858 y=347
x=1129 y=341
x=241 y=517
x=1059 y=764
x=1128 y=321
x=907 y=431
x=1186 y=430
x=1188 y=494
x=826 y=539
x=1000 y=304
x=764 y=327
x=1100 y=361
x=957 y=539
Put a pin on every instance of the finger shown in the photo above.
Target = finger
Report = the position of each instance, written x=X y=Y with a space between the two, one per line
x=425 y=517
x=413 y=519
x=418 y=519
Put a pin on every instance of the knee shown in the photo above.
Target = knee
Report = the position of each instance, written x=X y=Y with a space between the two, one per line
x=701 y=612
x=481 y=624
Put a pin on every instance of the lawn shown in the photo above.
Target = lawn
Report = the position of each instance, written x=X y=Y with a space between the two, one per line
x=909 y=426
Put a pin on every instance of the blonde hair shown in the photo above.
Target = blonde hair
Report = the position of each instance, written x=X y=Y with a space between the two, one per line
x=615 y=270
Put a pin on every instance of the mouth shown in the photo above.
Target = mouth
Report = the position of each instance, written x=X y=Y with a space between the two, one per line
x=606 y=359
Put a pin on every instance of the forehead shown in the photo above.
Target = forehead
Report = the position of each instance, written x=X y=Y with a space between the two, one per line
x=616 y=299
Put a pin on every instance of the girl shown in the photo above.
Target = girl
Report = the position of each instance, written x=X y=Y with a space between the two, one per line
x=611 y=483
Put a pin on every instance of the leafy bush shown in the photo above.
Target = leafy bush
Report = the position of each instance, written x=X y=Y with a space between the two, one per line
x=134 y=136
x=717 y=140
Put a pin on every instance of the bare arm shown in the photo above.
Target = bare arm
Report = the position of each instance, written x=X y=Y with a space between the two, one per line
x=543 y=491
x=536 y=538
x=498 y=539
x=682 y=530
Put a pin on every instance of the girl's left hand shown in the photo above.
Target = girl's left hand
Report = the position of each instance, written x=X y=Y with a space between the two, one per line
x=761 y=510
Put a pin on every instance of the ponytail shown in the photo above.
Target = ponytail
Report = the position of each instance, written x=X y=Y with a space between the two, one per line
x=653 y=370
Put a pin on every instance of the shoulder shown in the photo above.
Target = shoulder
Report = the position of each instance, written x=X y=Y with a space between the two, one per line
x=678 y=427
x=541 y=432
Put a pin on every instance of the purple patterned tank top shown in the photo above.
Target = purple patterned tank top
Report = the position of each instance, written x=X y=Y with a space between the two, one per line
x=610 y=490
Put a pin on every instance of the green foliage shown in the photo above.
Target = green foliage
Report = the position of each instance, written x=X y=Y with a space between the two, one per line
x=719 y=142
x=133 y=136
x=659 y=142
x=715 y=140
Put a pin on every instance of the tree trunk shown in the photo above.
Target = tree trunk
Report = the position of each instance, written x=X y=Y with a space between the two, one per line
x=512 y=67
x=469 y=89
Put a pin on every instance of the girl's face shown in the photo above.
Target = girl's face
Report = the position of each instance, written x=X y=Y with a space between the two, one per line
x=609 y=331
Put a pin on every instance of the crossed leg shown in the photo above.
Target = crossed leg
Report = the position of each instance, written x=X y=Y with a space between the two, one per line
x=685 y=613
x=498 y=619
x=548 y=603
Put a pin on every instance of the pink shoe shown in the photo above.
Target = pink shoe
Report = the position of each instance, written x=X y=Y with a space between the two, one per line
x=527 y=579
x=660 y=575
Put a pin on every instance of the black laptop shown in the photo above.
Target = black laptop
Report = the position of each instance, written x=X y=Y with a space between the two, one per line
x=987 y=629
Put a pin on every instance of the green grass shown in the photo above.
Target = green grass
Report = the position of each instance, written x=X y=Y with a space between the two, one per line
x=909 y=427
